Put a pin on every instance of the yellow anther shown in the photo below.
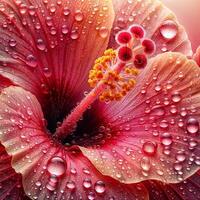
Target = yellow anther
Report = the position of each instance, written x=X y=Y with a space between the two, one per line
x=117 y=84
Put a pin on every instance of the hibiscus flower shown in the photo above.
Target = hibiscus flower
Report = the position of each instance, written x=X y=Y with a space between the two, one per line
x=64 y=140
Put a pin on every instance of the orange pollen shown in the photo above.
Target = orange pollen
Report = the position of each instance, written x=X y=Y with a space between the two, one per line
x=118 y=84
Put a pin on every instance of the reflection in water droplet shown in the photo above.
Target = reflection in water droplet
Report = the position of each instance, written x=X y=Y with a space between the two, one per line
x=31 y=61
x=166 y=139
x=169 y=30
x=56 y=166
x=149 y=148
x=176 y=97
x=145 y=164
x=100 y=187
x=192 y=125
x=40 y=44
x=71 y=185
x=87 y=183
x=78 y=16
x=103 y=32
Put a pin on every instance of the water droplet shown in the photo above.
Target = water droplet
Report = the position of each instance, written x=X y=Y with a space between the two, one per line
x=71 y=185
x=178 y=166
x=66 y=11
x=100 y=187
x=74 y=35
x=176 y=97
x=31 y=61
x=192 y=125
x=166 y=139
x=149 y=148
x=103 y=32
x=145 y=164
x=91 y=196
x=12 y=43
x=38 y=183
x=180 y=157
x=65 y=30
x=169 y=30
x=87 y=183
x=56 y=166
x=23 y=9
x=40 y=44
x=78 y=16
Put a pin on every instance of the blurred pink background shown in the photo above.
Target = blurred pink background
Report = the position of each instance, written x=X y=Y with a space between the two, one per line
x=188 y=14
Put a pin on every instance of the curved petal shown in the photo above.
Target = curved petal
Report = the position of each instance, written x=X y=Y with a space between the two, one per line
x=154 y=130
x=47 y=47
x=196 y=56
x=10 y=182
x=159 y=22
x=49 y=170
x=186 y=190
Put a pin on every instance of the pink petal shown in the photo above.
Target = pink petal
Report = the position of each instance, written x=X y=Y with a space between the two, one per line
x=186 y=190
x=50 y=170
x=10 y=182
x=159 y=22
x=154 y=131
x=196 y=56
x=48 y=47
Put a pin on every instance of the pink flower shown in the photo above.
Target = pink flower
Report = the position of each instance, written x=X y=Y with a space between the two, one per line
x=69 y=141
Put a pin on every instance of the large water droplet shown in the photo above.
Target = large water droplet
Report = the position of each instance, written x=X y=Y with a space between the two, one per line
x=87 y=183
x=176 y=97
x=56 y=166
x=169 y=30
x=145 y=164
x=31 y=61
x=149 y=148
x=192 y=125
x=78 y=16
x=71 y=185
x=103 y=32
x=12 y=43
x=41 y=45
x=166 y=139
x=100 y=187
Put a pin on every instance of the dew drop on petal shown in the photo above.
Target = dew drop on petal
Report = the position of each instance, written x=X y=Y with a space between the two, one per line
x=145 y=164
x=41 y=45
x=103 y=32
x=56 y=166
x=166 y=139
x=12 y=43
x=192 y=125
x=74 y=35
x=169 y=30
x=100 y=187
x=78 y=16
x=87 y=183
x=91 y=196
x=71 y=185
x=176 y=97
x=149 y=148
x=31 y=61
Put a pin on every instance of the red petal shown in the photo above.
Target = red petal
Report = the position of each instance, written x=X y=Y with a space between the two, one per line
x=186 y=190
x=48 y=47
x=159 y=22
x=196 y=56
x=49 y=170
x=154 y=132
x=10 y=182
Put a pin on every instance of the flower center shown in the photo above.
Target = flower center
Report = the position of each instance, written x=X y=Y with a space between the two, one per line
x=113 y=75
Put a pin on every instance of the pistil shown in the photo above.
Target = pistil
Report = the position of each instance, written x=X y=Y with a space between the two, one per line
x=113 y=75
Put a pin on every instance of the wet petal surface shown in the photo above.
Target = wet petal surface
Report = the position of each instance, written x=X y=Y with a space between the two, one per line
x=159 y=22
x=49 y=170
x=154 y=130
x=48 y=47
x=186 y=190
x=10 y=182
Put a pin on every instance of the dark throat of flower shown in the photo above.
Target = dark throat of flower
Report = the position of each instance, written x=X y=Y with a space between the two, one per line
x=113 y=75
